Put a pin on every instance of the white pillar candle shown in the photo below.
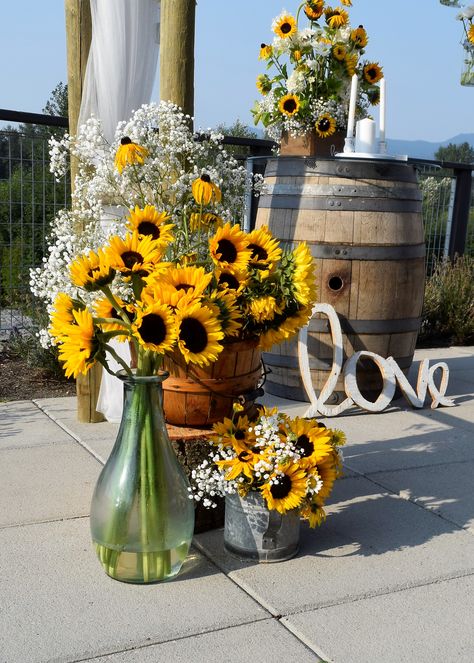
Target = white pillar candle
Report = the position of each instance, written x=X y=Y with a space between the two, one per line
x=382 y=110
x=365 y=136
x=352 y=107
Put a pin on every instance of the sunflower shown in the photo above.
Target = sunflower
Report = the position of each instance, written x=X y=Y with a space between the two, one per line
x=104 y=309
x=339 y=52
x=133 y=255
x=313 y=513
x=204 y=221
x=314 y=9
x=293 y=322
x=264 y=84
x=155 y=328
x=61 y=315
x=231 y=279
x=303 y=278
x=372 y=72
x=271 y=337
x=284 y=26
x=286 y=488
x=347 y=3
x=129 y=153
x=266 y=52
x=190 y=279
x=296 y=55
x=151 y=223
x=242 y=463
x=160 y=291
x=205 y=191
x=78 y=344
x=373 y=95
x=351 y=63
x=229 y=248
x=199 y=334
x=289 y=104
x=359 y=37
x=338 y=438
x=264 y=309
x=329 y=471
x=312 y=443
x=325 y=125
x=231 y=434
x=336 y=18
x=265 y=250
x=227 y=311
x=92 y=271
x=470 y=34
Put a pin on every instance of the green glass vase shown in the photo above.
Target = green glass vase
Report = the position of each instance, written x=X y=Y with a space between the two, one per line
x=142 y=519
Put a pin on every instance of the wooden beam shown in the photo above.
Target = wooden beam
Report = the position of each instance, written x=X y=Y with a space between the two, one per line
x=78 y=41
x=177 y=53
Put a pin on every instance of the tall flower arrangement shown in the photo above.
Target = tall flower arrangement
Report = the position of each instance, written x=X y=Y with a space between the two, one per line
x=309 y=70
x=466 y=15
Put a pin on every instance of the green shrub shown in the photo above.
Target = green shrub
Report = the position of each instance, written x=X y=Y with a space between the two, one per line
x=448 y=312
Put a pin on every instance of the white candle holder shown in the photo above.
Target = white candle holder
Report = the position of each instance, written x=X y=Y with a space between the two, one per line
x=382 y=147
x=349 y=144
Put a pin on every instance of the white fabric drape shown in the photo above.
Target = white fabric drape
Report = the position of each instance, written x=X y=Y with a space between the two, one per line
x=122 y=60
x=119 y=78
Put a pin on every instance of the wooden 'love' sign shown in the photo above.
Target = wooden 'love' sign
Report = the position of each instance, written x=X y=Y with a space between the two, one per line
x=389 y=369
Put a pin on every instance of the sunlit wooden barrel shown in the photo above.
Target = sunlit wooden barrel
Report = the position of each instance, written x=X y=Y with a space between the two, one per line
x=362 y=220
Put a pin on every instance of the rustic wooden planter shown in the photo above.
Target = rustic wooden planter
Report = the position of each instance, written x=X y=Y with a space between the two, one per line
x=310 y=144
x=363 y=223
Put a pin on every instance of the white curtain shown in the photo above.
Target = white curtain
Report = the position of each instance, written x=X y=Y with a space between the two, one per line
x=122 y=60
x=119 y=78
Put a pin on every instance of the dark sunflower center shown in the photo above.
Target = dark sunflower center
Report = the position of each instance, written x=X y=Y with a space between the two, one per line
x=289 y=105
x=258 y=252
x=263 y=45
x=125 y=141
x=227 y=250
x=285 y=28
x=184 y=286
x=372 y=73
x=282 y=488
x=131 y=258
x=149 y=228
x=153 y=329
x=324 y=124
x=303 y=442
x=244 y=456
x=193 y=335
x=239 y=434
x=205 y=178
x=229 y=280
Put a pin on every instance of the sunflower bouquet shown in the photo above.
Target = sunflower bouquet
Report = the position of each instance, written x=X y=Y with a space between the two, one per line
x=177 y=277
x=292 y=462
x=312 y=67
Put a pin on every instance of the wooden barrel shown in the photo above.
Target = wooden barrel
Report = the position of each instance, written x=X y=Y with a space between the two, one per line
x=363 y=223
x=194 y=396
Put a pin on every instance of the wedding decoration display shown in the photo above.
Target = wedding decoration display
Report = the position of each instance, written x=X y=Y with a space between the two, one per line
x=466 y=15
x=285 y=466
x=311 y=68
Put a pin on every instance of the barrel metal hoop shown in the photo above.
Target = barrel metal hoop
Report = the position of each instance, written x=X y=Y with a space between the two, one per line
x=301 y=166
x=346 y=252
x=285 y=361
x=340 y=204
x=392 y=326
x=345 y=191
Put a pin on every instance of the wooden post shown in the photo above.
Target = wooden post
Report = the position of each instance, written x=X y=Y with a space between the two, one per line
x=78 y=40
x=177 y=53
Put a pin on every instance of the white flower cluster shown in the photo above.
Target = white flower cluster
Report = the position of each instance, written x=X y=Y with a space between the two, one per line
x=209 y=482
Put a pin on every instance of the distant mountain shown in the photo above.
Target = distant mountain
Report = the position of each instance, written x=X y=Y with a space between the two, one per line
x=423 y=149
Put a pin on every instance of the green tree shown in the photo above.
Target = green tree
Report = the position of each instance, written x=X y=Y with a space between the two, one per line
x=463 y=153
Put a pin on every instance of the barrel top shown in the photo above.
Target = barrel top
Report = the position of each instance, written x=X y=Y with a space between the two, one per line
x=385 y=169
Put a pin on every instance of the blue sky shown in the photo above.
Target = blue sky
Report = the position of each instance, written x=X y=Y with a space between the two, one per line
x=416 y=41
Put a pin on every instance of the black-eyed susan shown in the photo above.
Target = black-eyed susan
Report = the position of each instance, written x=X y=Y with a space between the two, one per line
x=263 y=309
x=336 y=18
x=133 y=254
x=199 y=333
x=264 y=84
x=229 y=248
x=155 y=328
x=265 y=250
x=325 y=125
x=266 y=52
x=312 y=443
x=373 y=95
x=106 y=311
x=92 y=271
x=359 y=37
x=372 y=72
x=205 y=191
x=129 y=153
x=339 y=52
x=148 y=222
x=204 y=221
x=227 y=311
x=289 y=104
x=190 y=279
x=350 y=62
x=286 y=488
x=284 y=26
x=314 y=10
x=78 y=344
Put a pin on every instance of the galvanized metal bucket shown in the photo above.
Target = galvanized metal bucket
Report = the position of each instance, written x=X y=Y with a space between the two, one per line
x=252 y=531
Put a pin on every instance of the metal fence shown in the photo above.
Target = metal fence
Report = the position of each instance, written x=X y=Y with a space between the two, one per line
x=30 y=198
